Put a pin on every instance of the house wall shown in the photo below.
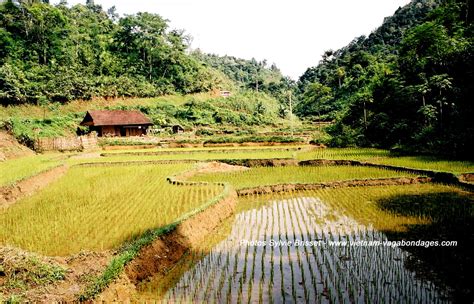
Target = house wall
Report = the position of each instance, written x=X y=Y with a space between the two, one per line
x=121 y=131
x=134 y=131
x=110 y=131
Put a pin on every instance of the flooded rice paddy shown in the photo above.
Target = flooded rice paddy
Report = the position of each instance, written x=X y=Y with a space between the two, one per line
x=296 y=249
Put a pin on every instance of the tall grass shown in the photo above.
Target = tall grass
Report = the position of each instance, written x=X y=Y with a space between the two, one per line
x=429 y=163
x=97 y=208
x=261 y=176
x=343 y=153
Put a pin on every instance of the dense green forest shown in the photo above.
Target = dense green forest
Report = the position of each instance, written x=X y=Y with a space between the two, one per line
x=409 y=85
x=251 y=74
x=60 y=53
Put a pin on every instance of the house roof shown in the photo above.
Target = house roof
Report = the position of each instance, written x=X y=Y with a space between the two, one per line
x=114 y=118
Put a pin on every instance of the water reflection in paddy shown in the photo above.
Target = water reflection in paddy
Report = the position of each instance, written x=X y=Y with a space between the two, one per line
x=293 y=250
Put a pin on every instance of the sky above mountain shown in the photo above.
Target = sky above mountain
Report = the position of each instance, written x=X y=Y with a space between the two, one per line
x=292 y=34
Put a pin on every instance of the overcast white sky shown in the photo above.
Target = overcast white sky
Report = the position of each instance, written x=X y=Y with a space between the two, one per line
x=292 y=34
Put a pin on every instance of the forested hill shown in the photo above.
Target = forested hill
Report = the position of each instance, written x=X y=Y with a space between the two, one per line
x=409 y=85
x=62 y=53
x=250 y=74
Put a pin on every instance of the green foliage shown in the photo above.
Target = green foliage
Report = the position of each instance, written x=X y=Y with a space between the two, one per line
x=408 y=85
x=62 y=53
x=27 y=130
x=317 y=100
x=245 y=109
x=21 y=271
x=250 y=74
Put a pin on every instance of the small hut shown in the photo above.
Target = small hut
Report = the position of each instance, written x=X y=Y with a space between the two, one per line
x=177 y=129
x=117 y=122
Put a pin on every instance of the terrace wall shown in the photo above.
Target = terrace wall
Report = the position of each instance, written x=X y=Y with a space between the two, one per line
x=86 y=142
x=165 y=251
x=435 y=176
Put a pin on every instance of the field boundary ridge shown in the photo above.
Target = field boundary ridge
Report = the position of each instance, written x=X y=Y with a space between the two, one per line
x=436 y=176
x=26 y=186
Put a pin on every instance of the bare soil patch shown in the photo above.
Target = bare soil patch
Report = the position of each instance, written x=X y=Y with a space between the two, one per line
x=252 y=144
x=467 y=177
x=86 y=155
x=40 y=279
x=125 y=147
x=10 y=148
x=275 y=162
x=211 y=167
x=181 y=145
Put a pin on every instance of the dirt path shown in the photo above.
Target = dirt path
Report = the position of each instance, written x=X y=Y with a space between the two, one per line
x=11 y=194
x=86 y=155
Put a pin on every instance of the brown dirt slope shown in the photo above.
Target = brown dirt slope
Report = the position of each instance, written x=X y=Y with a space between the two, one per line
x=10 y=148
x=38 y=279
x=167 y=250
x=337 y=184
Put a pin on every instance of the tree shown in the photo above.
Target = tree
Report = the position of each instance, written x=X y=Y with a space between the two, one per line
x=340 y=75
x=316 y=100
x=64 y=53
x=442 y=83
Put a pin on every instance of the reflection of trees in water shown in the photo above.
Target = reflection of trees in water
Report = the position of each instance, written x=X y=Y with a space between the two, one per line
x=451 y=218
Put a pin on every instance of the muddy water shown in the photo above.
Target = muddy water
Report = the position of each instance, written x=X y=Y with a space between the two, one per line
x=291 y=251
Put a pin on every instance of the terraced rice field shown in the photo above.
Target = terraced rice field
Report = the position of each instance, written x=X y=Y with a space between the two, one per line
x=211 y=149
x=302 y=247
x=97 y=208
x=343 y=153
x=261 y=176
x=239 y=154
x=384 y=157
x=16 y=169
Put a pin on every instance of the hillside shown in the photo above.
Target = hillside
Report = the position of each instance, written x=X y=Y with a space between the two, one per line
x=409 y=85
x=57 y=53
x=245 y=113
x=250 y=74
x=58 y=61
